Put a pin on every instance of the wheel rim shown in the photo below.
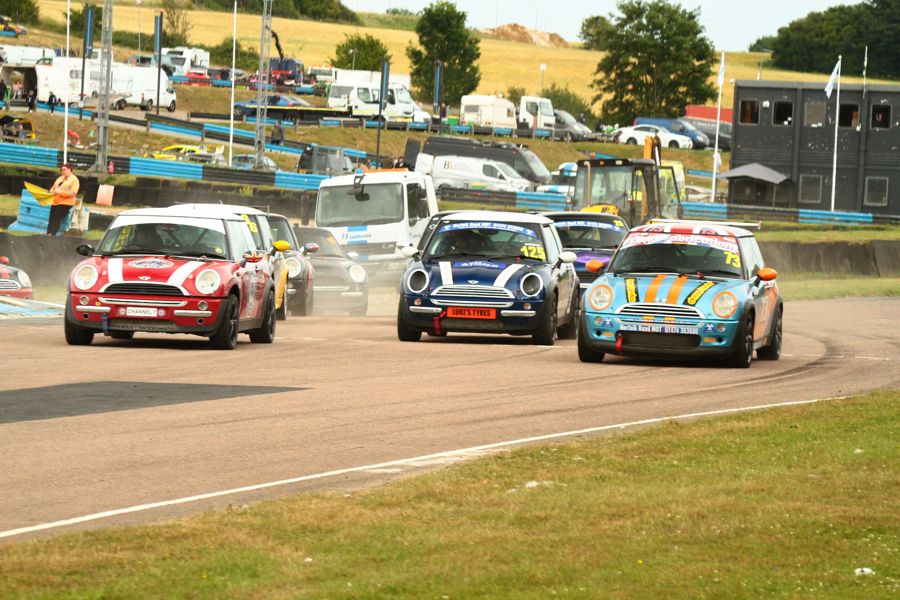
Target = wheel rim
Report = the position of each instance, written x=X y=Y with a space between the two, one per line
x=270 y=325
x=778 y=335
x=232 y=324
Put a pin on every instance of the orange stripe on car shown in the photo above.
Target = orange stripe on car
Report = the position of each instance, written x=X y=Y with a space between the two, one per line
x=675 y=290
x=654 y=287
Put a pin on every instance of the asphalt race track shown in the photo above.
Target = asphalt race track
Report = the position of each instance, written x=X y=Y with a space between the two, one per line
x=339 y=403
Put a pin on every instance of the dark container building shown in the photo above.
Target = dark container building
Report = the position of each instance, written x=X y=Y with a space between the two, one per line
x=783 y=143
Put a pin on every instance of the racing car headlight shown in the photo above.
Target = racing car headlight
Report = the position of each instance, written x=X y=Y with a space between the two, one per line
x=531 y=284
x=417 y=281
x=293 y=266
x=207 y=281
x=357 y=273
x=85 y=277
x=601 y=297
x=724 y=304
x=24 y=279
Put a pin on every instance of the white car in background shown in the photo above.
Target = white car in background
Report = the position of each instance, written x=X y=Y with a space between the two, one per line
x=638 y=133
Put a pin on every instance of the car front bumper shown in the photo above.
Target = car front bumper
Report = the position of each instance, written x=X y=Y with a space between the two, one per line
x=174 y=314
x=520 y=318
x=608 y=333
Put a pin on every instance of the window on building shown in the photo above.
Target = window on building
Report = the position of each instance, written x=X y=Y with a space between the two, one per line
x=749 y=112
x=814 y=113
x=783 y=113
x=810 y=189
x=848 y=115
x=881 y=116
x=876 y=191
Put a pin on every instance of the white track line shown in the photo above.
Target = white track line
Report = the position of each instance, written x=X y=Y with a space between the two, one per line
x=459 y=454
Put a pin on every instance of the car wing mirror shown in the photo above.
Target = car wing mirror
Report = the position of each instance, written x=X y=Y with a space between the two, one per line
x=353 y=255
x=766 y=274
x=253 y=258
x=594 y=266
x=4 y=260
x=409 y=251
x=82 y=249
x=567 y=257
x=310 y=247
x=282 y=246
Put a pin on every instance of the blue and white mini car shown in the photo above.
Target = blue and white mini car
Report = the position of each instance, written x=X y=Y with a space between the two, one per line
x=684 y=289
x=489 y=272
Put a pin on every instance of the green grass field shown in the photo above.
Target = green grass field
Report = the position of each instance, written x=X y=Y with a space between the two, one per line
x=785 y=502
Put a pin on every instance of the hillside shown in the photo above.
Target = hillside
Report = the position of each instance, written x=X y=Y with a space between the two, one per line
x=503 y=63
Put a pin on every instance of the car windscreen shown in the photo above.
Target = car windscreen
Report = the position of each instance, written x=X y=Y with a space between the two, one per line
x=660 y=252
x=508 y=170
x=589 y=233
x=486 y=240
x=371 y=204
x=546 y=108
x=328 y=245
x=535 y=165
x=179 y=236
x=402 y=95
x=281 y=230
x=339 y=91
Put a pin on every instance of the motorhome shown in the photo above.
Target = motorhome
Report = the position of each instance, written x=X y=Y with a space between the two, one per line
x=487 y=111
x=536 y=113
x=359 y=91
x=375 y=214
x=467 y=172
x=184 y=59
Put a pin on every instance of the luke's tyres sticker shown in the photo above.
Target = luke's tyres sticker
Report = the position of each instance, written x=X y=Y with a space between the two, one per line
x=698 y=292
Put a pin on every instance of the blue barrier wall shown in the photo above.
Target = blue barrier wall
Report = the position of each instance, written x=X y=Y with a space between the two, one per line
x=166 y=168
x=298 y=181
x=29 y=155
x=34 y=217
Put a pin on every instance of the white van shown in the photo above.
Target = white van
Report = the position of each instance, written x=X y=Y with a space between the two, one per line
x=136 y=86
x=536 y=113
x=362 y=100
x=377 y=213
x=471 y=173
x=487 y=111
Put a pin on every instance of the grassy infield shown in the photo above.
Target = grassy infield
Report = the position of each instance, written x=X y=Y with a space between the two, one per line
x=781 y=503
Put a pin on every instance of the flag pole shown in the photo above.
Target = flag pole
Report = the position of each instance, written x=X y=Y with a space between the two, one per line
x=716 y=160
x=233 y=60
x=68 y=85
x=837 y=110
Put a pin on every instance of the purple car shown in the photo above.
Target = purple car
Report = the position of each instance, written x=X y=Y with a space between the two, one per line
x=591 y=236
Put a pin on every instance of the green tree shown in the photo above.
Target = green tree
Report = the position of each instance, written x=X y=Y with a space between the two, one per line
x=326 y=10
x=25 y=12
x=363 y=51
x=176 y=22
x=443 y=36
x=657 y=61
x=565 y=99
x=245 y=57
x=514 y=94
x=593 y=30
x=762 y=44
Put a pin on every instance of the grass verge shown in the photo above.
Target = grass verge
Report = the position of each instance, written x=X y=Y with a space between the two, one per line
x=785 y=502
x=823 y=286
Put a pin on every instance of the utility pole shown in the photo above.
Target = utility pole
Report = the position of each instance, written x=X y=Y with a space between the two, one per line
x=106 y=57
x=262 y=83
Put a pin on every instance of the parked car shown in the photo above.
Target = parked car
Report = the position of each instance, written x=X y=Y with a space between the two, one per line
x=172 y=270
x=709 y=129
x=591 y=236
x=489 y=272
x=340 y=282
x=198 y=76
x=300 y=296
x=637 y=134
x=685 y=289
x=207 y=158
x=248 y=107
x=567 y=128
x=248 y=161
x=525 y=162
x=14 y=281
x=677 y=126
x=182 y=151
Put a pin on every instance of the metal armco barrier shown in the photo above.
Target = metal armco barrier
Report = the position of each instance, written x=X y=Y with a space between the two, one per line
x=507 y=200
x=166 y=168
x=738 y=212
x=21 y=154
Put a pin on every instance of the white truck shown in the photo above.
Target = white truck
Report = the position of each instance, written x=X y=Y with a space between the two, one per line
x=55 y=76
x=376 y=214
x=360 y=92
x=536 y=113
x=487 y=111
x=472 y=173
x=24 y=56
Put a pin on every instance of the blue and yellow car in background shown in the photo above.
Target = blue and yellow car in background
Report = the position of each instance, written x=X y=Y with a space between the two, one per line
x=684 y=289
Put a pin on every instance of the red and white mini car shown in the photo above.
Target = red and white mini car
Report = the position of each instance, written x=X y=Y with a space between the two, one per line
x=13 y=281
x=172 y=270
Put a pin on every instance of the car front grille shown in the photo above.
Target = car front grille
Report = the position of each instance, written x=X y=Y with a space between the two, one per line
x=634 y=339
x=144 y=289
x=9 y=284
x=150 y=325
x=472 y=295
x=642 y=309
x=472 y=325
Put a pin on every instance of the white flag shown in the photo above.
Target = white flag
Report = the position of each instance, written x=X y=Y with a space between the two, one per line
x=834 y=76
x=721 y=80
